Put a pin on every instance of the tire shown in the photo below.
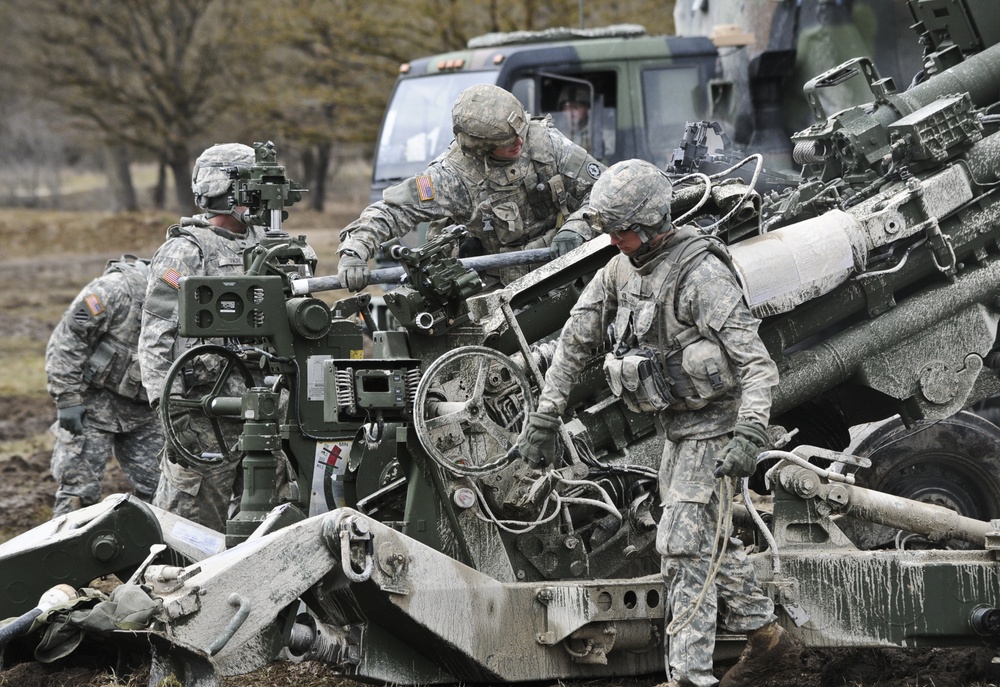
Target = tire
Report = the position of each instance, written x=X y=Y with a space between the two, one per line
x=954 y=462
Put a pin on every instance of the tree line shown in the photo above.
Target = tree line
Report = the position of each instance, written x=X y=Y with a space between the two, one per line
x=123 y=81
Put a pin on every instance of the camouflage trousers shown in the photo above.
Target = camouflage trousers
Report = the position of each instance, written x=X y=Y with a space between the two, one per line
x=79 y=460
x=685 y=542
x=209 y=495
x=201 y=493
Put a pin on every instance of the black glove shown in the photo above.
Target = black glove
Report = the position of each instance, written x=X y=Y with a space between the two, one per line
x=353 y=272
x=739 y=457
x=470 y=247
x=71 y=418
x=565 y=241
x=539 y=438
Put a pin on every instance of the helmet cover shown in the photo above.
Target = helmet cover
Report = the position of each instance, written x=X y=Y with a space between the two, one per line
x=485 y=117
x=209 y=178
x=631 y=194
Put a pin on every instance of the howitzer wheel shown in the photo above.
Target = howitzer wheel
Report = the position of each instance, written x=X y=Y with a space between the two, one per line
x=199 y=428
x=469 y=409
x=954 y=463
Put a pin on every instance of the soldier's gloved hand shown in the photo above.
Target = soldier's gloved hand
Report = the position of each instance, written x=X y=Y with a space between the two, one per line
x=353 y=272
x=71 y=418
x=739 y=457
x=565 y=241
x=539 y=438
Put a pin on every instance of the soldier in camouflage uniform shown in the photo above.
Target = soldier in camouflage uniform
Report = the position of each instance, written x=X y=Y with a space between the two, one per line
x=684 y=346
x=205 y=245
x=574 y=107
x=516 y=182
x=93 y=375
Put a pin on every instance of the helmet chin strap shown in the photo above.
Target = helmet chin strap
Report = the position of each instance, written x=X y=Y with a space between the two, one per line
x=242 y=217
x=647 y=234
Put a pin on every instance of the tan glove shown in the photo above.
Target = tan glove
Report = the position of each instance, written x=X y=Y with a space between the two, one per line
x=539 y=439
x=352 y=271
x=739 y=457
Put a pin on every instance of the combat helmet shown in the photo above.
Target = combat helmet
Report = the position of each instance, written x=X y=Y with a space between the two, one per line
x=631 y=194
x=210 y=180
x=574 y=93
x=485 y=117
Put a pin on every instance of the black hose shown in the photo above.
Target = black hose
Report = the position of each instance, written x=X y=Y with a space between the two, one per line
x=59 y=594
x=20 y=626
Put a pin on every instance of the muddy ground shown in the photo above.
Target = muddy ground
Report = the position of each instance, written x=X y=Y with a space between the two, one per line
x=47 y=258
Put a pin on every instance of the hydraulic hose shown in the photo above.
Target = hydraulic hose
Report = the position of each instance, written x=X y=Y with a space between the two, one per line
x=59 y=594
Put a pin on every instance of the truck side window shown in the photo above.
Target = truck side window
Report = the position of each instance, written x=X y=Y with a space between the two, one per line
x=670 y=95
x=583 y=107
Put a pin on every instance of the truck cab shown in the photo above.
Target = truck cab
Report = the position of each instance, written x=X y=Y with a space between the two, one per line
x=638 y=91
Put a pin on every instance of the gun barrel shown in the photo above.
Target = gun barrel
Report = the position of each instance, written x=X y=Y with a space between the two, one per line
x=835 y=360
x=390 y=275
x=979 y=75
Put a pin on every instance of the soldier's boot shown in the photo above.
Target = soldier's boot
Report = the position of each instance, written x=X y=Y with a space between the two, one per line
x=768 y=650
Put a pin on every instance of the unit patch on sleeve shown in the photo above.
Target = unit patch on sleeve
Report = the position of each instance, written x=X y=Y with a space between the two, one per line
x=425 y=188
x=81 y=315
x=172 y=277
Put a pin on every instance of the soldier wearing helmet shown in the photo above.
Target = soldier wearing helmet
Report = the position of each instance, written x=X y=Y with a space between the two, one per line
x=515 y=181
x=574 y=105
x=683 y=345
x=211 y=243
x=101 y=405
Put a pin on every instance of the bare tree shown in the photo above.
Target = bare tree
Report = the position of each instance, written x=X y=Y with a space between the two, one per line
x=149 y=75
x=162 y=78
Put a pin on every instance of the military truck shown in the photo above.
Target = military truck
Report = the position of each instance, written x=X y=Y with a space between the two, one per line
x=734 y=63
x=631 y=81
x=412 y=546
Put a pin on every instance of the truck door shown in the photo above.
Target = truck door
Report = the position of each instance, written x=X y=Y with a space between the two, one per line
x=583 y=105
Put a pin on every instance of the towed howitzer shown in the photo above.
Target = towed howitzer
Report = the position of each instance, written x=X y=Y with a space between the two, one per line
x=422 y=553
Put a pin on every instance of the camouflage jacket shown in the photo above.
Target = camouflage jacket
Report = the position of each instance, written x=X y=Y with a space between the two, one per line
x=506 y=206
x=91 y=358
x=706 y=299
x=192 y=248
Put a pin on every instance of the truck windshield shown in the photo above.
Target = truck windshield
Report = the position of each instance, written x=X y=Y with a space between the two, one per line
x=417 y=125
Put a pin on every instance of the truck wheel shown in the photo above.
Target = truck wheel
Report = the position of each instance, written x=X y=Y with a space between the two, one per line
x=954 y=462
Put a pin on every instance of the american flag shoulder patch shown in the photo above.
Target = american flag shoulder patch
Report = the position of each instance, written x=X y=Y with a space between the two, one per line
x=425 y=187
x=94 y=304
x=172 y=277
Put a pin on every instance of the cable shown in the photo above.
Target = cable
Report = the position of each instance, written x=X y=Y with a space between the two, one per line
x=765 y=532
x=723 y=525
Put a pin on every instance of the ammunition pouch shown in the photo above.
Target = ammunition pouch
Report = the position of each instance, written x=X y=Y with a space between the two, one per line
x=694 y=376
x=637 y=378
x=98 y=367
x=708 y=371
x=114 y=368
x=508 y=223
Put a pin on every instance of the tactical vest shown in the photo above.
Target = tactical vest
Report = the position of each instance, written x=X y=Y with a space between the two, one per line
x=114 y=363
x=657 y=362
x=221 y=254
x=523 y=201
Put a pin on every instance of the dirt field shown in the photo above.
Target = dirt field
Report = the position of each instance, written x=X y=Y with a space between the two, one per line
x=49 y=256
